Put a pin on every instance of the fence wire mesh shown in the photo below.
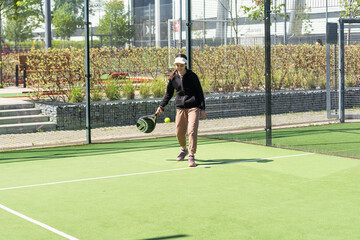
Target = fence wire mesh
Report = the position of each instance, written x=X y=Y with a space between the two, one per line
x=229 y=60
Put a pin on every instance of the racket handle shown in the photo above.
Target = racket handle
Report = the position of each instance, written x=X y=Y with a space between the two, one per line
x=157 y=112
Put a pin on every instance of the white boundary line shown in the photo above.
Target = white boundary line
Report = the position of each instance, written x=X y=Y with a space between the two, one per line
x=144 y=173
x=47 y=227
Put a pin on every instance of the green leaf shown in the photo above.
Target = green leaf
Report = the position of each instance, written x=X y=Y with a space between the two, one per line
x=104 y=76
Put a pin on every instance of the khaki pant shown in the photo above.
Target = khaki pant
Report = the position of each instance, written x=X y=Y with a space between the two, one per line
x=187 y=120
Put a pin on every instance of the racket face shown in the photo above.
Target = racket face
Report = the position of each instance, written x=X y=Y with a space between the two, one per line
x=146 y=124
x=151 y=126
x=142 y=125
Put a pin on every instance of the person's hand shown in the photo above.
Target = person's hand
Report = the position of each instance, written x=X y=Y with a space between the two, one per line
x=203 y=113
x=159 y=111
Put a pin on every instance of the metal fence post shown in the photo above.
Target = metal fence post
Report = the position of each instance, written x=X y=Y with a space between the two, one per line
x=24 y=76
x=17 y=75
x=47 y=24
x=285 y=20
x=87 y=72
x=268 y=72
x=188 y=31
x=341 y=72
x=328 y=81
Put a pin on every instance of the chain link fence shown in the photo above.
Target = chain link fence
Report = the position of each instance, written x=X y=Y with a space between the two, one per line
x=229 y=60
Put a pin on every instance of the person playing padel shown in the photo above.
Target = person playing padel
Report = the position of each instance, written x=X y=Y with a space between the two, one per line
x=190 y=105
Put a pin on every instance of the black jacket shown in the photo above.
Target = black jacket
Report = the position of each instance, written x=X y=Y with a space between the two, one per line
x=189 y=93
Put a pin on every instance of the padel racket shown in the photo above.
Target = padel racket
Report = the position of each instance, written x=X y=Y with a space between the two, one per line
x=146 y=124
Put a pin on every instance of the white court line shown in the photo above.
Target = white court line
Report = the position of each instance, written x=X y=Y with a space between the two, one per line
x=144 y=173
x=47 y=227
x=114 y=176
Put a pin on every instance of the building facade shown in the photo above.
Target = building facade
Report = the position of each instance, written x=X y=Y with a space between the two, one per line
x=214 y=22
x=147 y=15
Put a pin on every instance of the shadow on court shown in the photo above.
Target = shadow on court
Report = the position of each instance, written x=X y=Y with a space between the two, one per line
x=200 y=162
x=203 y=162
x=92 y=150
x=166 y=237
x=335 y=139
x=295 y=133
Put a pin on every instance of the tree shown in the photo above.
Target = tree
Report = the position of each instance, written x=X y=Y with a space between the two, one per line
x=67 y=17
x=234 y=19
x=65 y=21
x=18 y=31
x=5 y=8
x=75 y=6
x=115 y=20
x=350 y=9
x=32 y=11
x=15 y=10
x=300 y=21
x=256 y=11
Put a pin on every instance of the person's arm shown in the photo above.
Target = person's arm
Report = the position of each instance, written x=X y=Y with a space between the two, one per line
x=200 y=95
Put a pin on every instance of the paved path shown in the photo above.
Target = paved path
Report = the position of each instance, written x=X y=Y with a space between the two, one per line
x=10 y=101
x=13 y=90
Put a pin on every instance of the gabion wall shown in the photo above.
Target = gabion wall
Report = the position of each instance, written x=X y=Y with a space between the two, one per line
x=121 y=113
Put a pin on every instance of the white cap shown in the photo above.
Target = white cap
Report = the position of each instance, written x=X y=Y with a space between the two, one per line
x=180 y=60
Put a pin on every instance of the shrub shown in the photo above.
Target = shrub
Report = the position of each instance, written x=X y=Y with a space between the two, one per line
x=1 y=86
x=77 y=93
x=158 y=88
x=221 y=69
x=112 y=90
x=68 y=64
x=96 y=94
x=129 y=90
x=205 y=85
x=145 y=90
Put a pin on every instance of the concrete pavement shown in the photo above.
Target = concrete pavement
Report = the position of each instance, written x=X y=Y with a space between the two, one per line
x=14 y=89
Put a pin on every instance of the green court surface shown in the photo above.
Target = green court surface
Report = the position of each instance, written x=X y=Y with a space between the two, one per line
x=136 y=190
x=334 y=139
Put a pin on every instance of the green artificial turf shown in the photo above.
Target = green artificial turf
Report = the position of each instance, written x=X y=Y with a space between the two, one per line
x=238 y=191
x=11 y=95
x=336 y=139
